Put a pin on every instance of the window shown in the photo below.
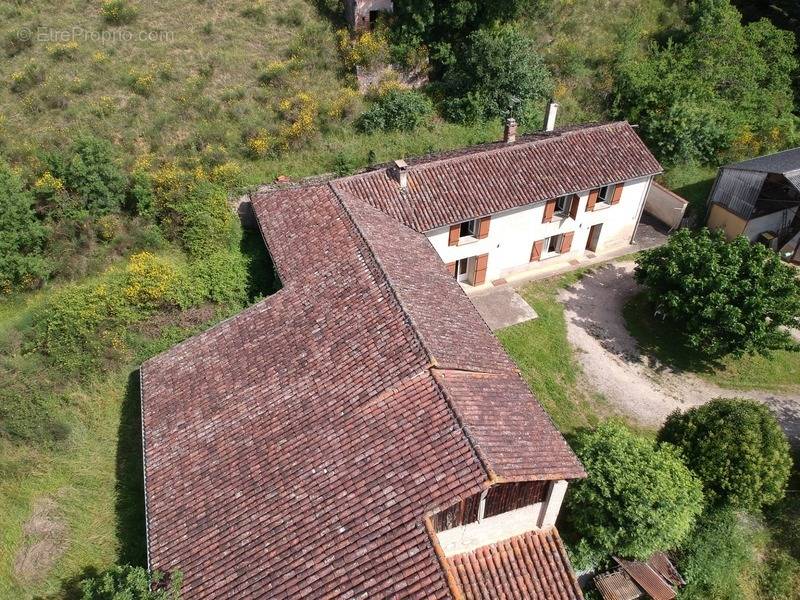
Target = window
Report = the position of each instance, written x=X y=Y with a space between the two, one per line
x=563 y=204
x=552 y=245
x=606 y=194
x=469 y=228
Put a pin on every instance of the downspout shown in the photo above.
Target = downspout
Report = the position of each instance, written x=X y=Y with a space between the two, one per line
x=641 y=210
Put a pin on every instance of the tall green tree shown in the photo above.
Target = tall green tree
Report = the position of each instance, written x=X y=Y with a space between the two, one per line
x=721 y=91
x=638 y=498
x=500 y=69
x=736 y=447
x=22 y=235
x=723 y=297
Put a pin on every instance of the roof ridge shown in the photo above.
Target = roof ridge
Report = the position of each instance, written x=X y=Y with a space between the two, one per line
x=548 y=137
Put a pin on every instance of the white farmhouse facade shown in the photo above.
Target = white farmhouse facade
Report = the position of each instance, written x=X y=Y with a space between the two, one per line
x=553 y=231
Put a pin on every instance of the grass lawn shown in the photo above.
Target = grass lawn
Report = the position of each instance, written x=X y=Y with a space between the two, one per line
x=545 y=358
x=779 y=371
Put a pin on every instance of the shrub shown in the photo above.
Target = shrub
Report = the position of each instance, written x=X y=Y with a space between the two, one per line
x=125 y=582
x=107 y=227
x=716 y=557
x=300 y=111
x=193 y=210
x=260 y=144
x=220 y=277
x=500 y=70
x=22 y=236
x=638 y=497
x=396 y=111
x=737 y=449
x=82 y=323
x=140 y=192
x=151 y=282
x=725 y=297
x=365 y=49
x=26 y=78
x=92 y=173
x=141 y=82
x=66 y=50
x=16 y=42
x=118 y=12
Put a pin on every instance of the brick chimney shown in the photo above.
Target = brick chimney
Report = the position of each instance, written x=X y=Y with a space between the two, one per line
x=399 y=170
x=510 y=132
x=550 y=116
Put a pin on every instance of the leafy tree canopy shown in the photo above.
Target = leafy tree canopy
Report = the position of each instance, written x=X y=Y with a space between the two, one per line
x=124 y=582
x=21 y=234
x=499 y=69
x=725 y=88
x=737 y=449
x=639 y=496
x=726 y=297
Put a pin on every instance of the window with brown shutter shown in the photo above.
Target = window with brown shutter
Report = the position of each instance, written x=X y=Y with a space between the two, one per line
x=481 y=263
x=483 y=228
x=549 y=211
x=455 y=235
x=566 y=243
x=536 y=251
x=573 y=209
x=617 y=193
x=592 y=200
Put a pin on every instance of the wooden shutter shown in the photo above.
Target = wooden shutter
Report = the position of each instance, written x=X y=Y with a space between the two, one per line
x=592 y=200
x=536 y=251
x=451 y=268
x=573 y=208
x=481 y=262
x=483 y=228
x=566 y=243
x=455 y=235
x=549 y=210
x=617 y=193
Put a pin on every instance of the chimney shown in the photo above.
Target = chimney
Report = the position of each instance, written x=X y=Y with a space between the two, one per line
x=400 y=172
x=510 y=132
x=550 y=116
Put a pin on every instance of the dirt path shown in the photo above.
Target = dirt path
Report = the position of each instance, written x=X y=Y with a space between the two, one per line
x=633 y=383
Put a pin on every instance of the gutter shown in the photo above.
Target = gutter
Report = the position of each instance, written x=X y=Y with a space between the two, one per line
x=144 y=473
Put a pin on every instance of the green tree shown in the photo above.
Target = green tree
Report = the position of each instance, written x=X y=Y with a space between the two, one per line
x=22 y=235
x=125 y=582
x=737 y=449
x=500 y=68
x=638 y=498
x=724 y=297
x=723 y=90
x=91 y=172
x=396 y=110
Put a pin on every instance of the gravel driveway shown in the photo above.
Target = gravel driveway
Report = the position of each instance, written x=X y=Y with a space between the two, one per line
x=633 y=383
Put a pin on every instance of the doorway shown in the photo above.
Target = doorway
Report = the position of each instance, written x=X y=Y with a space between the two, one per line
x=594 y=237
x=463 y=270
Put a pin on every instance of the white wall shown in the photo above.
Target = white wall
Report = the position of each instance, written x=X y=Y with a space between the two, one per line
x=512 y=233
x=770 y=222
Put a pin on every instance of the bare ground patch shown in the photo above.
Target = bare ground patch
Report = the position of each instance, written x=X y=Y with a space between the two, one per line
x=44 y=541
x=634 y=383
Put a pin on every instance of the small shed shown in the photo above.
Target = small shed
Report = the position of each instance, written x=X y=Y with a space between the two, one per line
x=656 y=578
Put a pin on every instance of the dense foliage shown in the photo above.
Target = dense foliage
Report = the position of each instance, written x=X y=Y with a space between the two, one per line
x=721 y=89
x=500 y=71
x=725 y=297
x=124 y=582
x=736 y=447
x=396 y=110
x=638 y=498
x=21 y=234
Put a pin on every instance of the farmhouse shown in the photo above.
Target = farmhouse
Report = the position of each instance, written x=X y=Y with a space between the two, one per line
x=759 y=198
x=361 y=433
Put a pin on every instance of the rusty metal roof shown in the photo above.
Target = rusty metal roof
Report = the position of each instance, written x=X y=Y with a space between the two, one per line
x=617 y=585
x=662 y=565
x=648 y=579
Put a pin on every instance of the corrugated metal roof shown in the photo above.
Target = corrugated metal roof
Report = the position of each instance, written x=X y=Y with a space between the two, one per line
x=780 y=162
x=617 y=585
x=738 y=190
x=650 y=581
x=794 y=179
x=662 y=565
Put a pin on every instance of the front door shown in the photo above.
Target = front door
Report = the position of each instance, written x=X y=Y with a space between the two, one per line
x=462 y=270
x=594 y=237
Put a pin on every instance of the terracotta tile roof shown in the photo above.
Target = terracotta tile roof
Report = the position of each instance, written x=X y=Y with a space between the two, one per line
x=499 y=414
x=531 y=566
x=446 y=191
x=293 y=450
